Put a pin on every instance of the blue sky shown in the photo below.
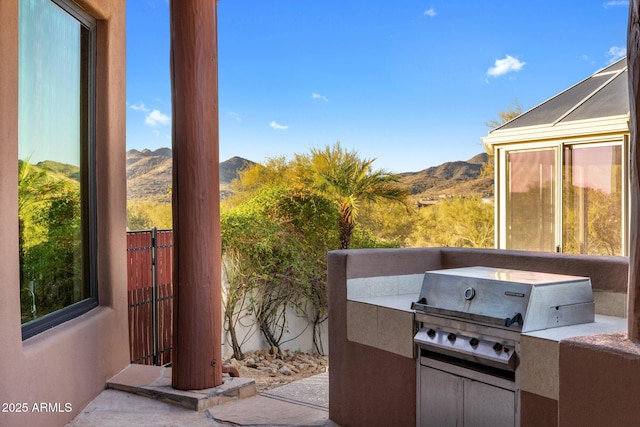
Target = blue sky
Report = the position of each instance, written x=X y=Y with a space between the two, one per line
x=409 y=83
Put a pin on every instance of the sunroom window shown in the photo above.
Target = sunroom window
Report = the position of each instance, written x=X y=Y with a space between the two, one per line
x=592 y=200
x=531 y=199
x=566 y=197
x=56 y=194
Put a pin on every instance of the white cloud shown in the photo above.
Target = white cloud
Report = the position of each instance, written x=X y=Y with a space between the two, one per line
x=318 y=97
x=615 y=3
x=235 y=116
x=616 y=53
x=156 y=118
x=430 y=12
x=505 y=65
x=139 y=107
x=277 y=126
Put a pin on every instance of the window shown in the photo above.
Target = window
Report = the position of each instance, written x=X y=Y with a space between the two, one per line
x=56 y=183
x=566 y=197
x=531 y=199
x=592 y=200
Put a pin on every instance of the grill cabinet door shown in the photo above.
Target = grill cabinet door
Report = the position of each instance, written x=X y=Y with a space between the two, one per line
x=449 y=400
x=441 y=398
x=487 y=405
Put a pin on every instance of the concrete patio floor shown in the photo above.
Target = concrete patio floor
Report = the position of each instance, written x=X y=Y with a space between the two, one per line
x=300 y=403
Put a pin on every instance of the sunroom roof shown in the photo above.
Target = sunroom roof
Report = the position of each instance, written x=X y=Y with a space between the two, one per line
x=604 y=94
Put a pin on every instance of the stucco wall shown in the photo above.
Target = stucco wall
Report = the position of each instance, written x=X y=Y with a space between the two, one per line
x=68 y=364
x=298 y=335
x=599 y=379
x=369 y=386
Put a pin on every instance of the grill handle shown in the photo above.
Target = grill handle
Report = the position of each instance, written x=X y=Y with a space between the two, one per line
x=498 y=321
x=515 y=319
x=420 y=305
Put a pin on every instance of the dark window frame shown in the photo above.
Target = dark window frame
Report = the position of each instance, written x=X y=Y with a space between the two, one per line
x=87 y=176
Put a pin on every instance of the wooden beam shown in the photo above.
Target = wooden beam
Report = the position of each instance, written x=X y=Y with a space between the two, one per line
x=197 y=358
x=633 y=62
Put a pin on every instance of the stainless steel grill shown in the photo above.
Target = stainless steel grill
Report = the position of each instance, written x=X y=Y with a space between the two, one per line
x=468 y=340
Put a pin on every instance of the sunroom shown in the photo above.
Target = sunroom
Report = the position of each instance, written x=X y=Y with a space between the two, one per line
x=561 y=180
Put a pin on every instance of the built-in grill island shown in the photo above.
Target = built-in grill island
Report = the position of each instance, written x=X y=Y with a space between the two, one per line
x=469 y=323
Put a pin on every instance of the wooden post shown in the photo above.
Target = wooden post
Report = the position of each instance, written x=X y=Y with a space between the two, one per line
x=197 y=358
x=633 y=62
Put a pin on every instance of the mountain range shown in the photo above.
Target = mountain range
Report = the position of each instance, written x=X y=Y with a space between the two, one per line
x=149 y=177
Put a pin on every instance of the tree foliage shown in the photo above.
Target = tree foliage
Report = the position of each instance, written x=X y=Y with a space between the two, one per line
x=274 y=247
x=514 y=110
x=50 y=241
x=278 y=227
x=352 y=183
x=391 y=223
x=276 y=171
x=591 y=221
x=457 y=221
x=144 y=215
x=333 y=173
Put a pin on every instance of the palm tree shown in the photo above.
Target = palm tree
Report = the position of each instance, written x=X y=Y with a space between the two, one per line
x=349 y=181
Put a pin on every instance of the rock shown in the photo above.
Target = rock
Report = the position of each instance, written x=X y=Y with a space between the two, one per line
x=232 y=362
x=250 y=363
x=284 y=370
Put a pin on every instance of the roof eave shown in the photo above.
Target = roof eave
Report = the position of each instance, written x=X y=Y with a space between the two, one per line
x=574 y=129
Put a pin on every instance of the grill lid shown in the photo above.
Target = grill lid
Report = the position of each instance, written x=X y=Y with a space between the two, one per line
x=511 y=299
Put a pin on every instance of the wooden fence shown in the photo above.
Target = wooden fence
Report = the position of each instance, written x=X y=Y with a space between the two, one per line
x=150 y=291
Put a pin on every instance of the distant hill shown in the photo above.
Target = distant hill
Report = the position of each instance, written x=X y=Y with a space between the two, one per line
x=229 y=168
x=68 y=171
x=149 y=174
x=149 y=177
x=458 y=178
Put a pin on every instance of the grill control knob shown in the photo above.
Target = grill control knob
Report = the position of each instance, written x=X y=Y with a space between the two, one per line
x=497 y=346
x=469 y=294
x=431 y=333
x=451 y=337
x=473 y=342
x=506 y=349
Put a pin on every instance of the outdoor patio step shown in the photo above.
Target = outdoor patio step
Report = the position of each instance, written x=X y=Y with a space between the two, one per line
x=155 y=382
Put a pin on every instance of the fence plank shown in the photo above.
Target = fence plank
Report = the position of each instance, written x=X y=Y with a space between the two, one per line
x=140 y=295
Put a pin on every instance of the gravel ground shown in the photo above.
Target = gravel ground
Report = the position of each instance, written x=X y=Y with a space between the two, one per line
x=271 y=369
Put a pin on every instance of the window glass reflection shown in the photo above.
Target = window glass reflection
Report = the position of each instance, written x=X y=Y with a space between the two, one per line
x=52 y=135
x=592 y=200
x=531 y=200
